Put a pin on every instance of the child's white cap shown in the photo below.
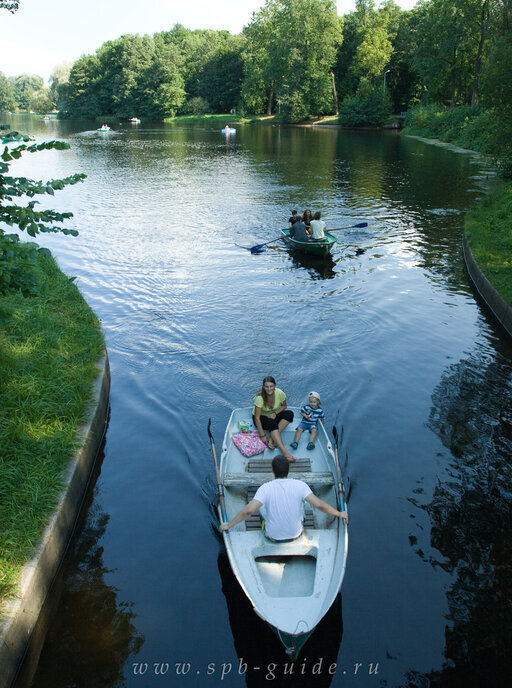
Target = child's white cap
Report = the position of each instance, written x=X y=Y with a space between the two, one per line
x=315 y=395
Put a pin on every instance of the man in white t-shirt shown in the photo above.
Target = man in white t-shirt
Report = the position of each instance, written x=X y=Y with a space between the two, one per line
x=280 y=501
x=317 y=226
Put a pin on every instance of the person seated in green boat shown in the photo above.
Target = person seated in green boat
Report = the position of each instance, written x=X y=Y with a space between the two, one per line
x=307 y=216
x=317 y=227
x=271 y=415
x=299 y=231
x=294 y=218
x=281 y=504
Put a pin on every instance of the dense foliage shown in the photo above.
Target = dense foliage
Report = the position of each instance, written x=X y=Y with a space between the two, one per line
x=19 y=260
x=289 y=52
x=25 y=92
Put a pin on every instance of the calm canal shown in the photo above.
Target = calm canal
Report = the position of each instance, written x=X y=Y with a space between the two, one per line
x=388 y=332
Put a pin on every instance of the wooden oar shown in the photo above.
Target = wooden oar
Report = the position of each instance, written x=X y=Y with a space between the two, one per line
x=258 y=247
x=220 y=486
x=341 y=486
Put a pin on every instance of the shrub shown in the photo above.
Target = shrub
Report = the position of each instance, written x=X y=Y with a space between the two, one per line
x=368 y=107
x=19 y=265
x=196 y=106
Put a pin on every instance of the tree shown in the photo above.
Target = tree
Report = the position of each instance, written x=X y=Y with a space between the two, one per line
x=83 y=95
x=161 y=85
x=122 y=63
x=59 y=84
x=497 y=85
x=7 y=101
x=290 y=53
x=375 y=33
x=42 y=101
x=404 y=82
x=450 y=48
x=220 y=79
x=24 y=87
x=258 y=86
x=210 y=64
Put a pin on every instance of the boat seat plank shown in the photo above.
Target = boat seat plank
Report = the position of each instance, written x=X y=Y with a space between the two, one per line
x=265 y=466
x=256 y=479
x=254 y=522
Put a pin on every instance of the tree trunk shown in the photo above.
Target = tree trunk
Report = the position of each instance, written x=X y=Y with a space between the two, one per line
x=454 y=79
x=270 y=99
x=334 y=96
x=484 y=18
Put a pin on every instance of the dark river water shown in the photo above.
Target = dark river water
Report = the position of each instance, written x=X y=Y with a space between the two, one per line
x=388 y=331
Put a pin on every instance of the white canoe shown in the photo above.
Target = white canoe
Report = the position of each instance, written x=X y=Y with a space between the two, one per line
x=291 y=585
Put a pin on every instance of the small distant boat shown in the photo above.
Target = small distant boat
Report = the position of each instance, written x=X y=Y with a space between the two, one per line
x=314 y=248
x=134 y=120
x=291 y=585
x=104 y=127
x=228 y=130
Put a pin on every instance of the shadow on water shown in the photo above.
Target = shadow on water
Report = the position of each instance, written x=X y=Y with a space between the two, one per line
x=261 y=654
x=318 y=267
x=91 y=637
x=471 y=524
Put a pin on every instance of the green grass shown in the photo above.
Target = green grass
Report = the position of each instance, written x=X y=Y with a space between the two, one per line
x=208 y=119
x=49 y=344
x=220 y=119
x=489 y=234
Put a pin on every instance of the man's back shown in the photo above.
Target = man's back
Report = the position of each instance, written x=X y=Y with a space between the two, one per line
x=298 y=231
x=282 y=507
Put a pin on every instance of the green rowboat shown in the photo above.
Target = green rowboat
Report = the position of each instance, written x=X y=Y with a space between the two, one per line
x=317 y=247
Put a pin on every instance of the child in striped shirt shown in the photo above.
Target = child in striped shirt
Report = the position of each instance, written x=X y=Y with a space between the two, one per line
x=311 y=413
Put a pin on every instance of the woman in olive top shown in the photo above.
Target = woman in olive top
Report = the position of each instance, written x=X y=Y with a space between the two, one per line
x=271 y=415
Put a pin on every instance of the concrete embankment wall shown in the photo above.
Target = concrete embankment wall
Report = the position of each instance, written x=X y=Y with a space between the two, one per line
x=494 y=302
x=20 y=616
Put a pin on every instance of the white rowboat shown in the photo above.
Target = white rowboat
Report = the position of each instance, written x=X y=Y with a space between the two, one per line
x=291 y=585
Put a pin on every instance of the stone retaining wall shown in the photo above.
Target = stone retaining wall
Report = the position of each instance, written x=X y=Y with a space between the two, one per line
x=21 y=614
x=493 y=300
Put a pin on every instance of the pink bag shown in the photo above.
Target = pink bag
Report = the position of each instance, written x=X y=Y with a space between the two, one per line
x=249 y=443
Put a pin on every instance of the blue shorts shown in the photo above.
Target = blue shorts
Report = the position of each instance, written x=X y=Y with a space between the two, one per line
x=307 y=425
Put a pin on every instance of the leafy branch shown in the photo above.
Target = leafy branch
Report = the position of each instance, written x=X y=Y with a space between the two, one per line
x=19 y=261
x=26 y=217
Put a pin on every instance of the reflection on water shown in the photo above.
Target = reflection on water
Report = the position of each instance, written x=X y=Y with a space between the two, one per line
x=318 y=268
x=94 y=632
x=263 y=655
x=471 y=522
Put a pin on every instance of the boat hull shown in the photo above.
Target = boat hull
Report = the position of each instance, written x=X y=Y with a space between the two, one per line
x=313 y=248
x=291 y=585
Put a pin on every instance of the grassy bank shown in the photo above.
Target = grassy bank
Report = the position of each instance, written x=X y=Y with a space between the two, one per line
x=221 y=120
x=49 y=344
x=489 y=233
x=214 y=120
